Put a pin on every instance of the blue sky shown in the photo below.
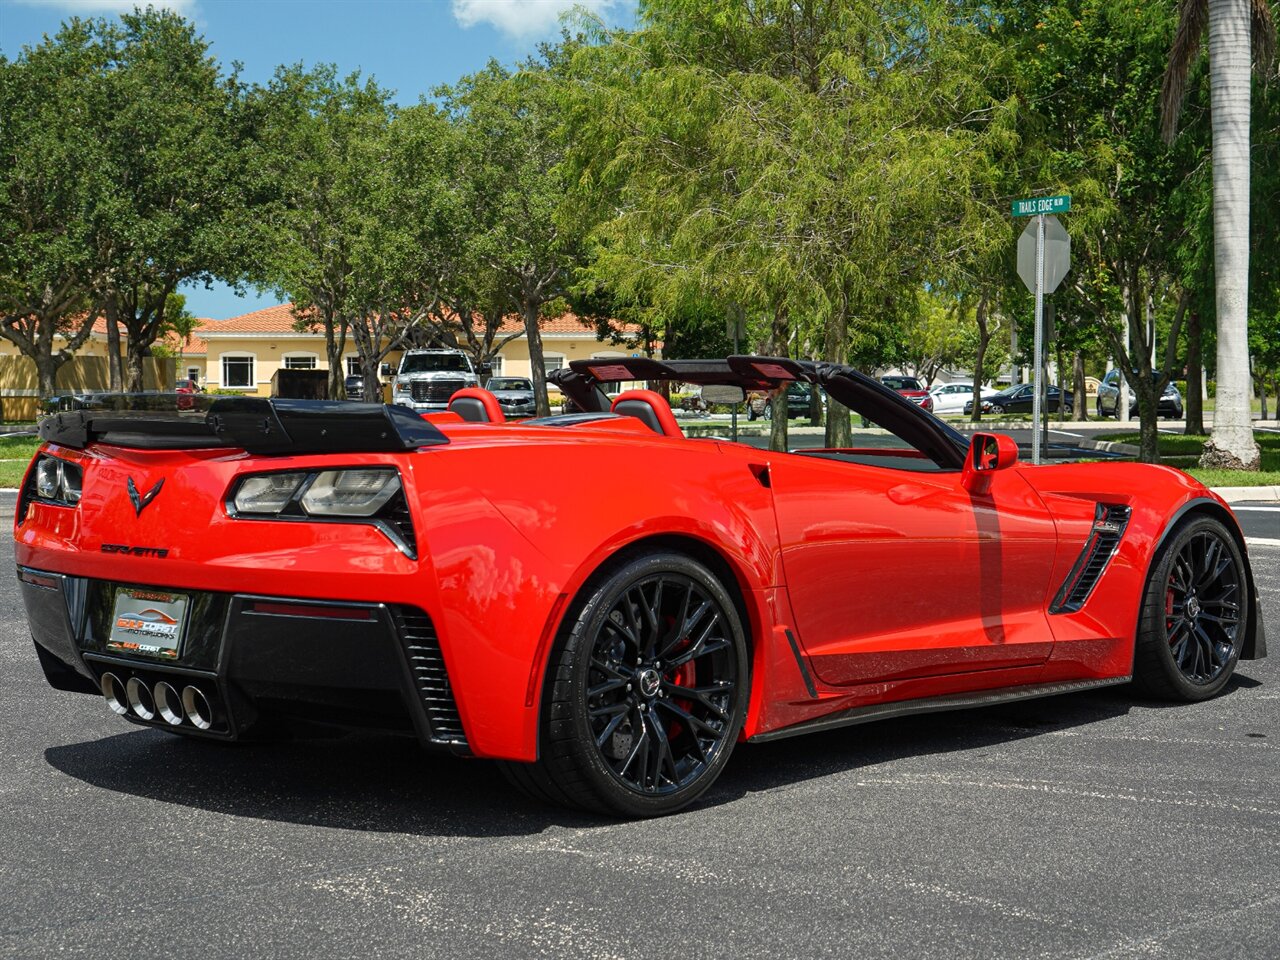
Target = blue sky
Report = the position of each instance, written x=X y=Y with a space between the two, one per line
x=410 y=46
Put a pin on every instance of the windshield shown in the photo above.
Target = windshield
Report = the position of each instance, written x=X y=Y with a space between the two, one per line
x=509 y=383
x=432 y=362
x=901 y=383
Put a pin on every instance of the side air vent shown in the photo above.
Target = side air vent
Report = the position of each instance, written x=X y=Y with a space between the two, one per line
x=397 y=517
x=426 y=663
x=1109 y=523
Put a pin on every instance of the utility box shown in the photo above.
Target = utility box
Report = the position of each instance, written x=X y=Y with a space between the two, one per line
x=299 y=384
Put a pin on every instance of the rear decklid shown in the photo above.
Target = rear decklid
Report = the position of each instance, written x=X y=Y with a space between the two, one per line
x=254 y=424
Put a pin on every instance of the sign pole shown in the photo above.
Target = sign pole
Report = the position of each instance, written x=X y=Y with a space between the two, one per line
x=1038 y=360
x=1044 y=257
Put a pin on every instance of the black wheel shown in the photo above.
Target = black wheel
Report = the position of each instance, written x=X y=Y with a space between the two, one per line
x=768 y=411
x=1193 y=614
x=997 y=410
x=1098 y=407
x=647 y=692
x=751 y=412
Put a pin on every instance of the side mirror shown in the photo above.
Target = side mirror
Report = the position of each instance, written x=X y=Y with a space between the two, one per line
x=988 y=452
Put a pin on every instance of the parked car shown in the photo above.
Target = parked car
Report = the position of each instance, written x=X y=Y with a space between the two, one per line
x=482 y=588
x=758 y=404
x=354 y=387
x=427 y=379
x=187 y=386
x=1019 y=399
x=951 y=397
x=1108 y=403
x=911 y=388
x=515 y=395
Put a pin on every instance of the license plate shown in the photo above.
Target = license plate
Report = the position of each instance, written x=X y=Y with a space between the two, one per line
x=148 y=623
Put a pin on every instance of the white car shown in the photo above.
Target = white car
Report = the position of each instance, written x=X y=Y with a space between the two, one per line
x=950 y=398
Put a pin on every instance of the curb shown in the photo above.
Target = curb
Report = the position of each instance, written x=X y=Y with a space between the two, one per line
x=1237 y=494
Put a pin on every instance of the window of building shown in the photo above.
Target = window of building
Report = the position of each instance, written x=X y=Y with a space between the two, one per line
x=300 y=361
x=193 y=373
x=495 y=366
x=552 y=361
x=353 y=366
x=238 y=370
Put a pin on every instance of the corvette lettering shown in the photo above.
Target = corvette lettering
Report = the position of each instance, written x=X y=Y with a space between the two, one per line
x=158 y=552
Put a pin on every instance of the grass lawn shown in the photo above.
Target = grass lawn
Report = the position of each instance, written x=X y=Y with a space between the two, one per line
x=1183 y=451
x=15 y=454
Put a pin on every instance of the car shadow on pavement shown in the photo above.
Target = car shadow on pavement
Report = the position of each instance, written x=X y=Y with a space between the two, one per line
x=780 y=763
x=389 y=784
x=357 y=782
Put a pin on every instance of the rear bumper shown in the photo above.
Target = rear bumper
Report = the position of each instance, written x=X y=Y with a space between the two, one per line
x=258 y=661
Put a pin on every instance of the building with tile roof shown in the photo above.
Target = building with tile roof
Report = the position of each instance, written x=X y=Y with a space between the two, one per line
x=243 y=353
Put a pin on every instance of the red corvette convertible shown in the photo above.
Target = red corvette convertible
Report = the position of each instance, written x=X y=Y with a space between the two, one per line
x=597 y=601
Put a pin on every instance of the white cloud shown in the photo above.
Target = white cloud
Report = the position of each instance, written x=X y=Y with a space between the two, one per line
x=522 y=18
x=89 y=7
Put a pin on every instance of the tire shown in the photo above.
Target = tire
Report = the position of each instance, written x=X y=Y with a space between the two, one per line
x=1189 y=635
x=768 y=411
x=617 y=736
x=1098 y=407
x=997 y=410
x=751 y=412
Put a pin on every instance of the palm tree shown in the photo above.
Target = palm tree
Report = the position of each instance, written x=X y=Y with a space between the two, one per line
x=1232 y=48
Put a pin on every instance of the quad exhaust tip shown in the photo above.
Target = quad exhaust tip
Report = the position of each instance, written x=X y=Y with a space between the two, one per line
x=168 y=703
x=113 y=692
x=197 y=708
x=141 y=702
x=161 y=701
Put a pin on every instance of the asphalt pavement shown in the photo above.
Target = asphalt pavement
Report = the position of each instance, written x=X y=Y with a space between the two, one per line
x=1091 y=825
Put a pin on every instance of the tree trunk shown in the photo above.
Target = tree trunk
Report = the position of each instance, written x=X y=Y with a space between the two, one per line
x=371 y=374
x=1193 y=402
x=1078 y=387
x=1230 y=62
x=47 y=373
x=984 y=339
x=529 y=310
x=115 y=376
x=1062 y=388
x=335 y=343
x=839 y=432
x=137 y=352
x=779 y=337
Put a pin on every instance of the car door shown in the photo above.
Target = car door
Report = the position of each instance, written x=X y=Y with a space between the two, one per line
x=895 y=573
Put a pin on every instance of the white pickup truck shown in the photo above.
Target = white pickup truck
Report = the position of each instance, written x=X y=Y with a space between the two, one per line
x=428 y=378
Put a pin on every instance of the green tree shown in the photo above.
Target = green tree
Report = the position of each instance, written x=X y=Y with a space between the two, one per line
x=759 y=156
x=513 y=134
x=46 y=268
x=171 y=202
x=1091 y=73
x=321 y=134
x=1241 y=34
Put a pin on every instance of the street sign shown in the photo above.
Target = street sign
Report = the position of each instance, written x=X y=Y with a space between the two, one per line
x=1057 y=254
x=1037 y=205
x=1044 y=257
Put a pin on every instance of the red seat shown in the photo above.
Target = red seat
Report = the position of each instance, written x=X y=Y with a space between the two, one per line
x=477 y=406
x=650 y=409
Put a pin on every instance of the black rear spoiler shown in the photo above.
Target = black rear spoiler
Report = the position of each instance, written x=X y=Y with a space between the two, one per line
x=168 y=421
